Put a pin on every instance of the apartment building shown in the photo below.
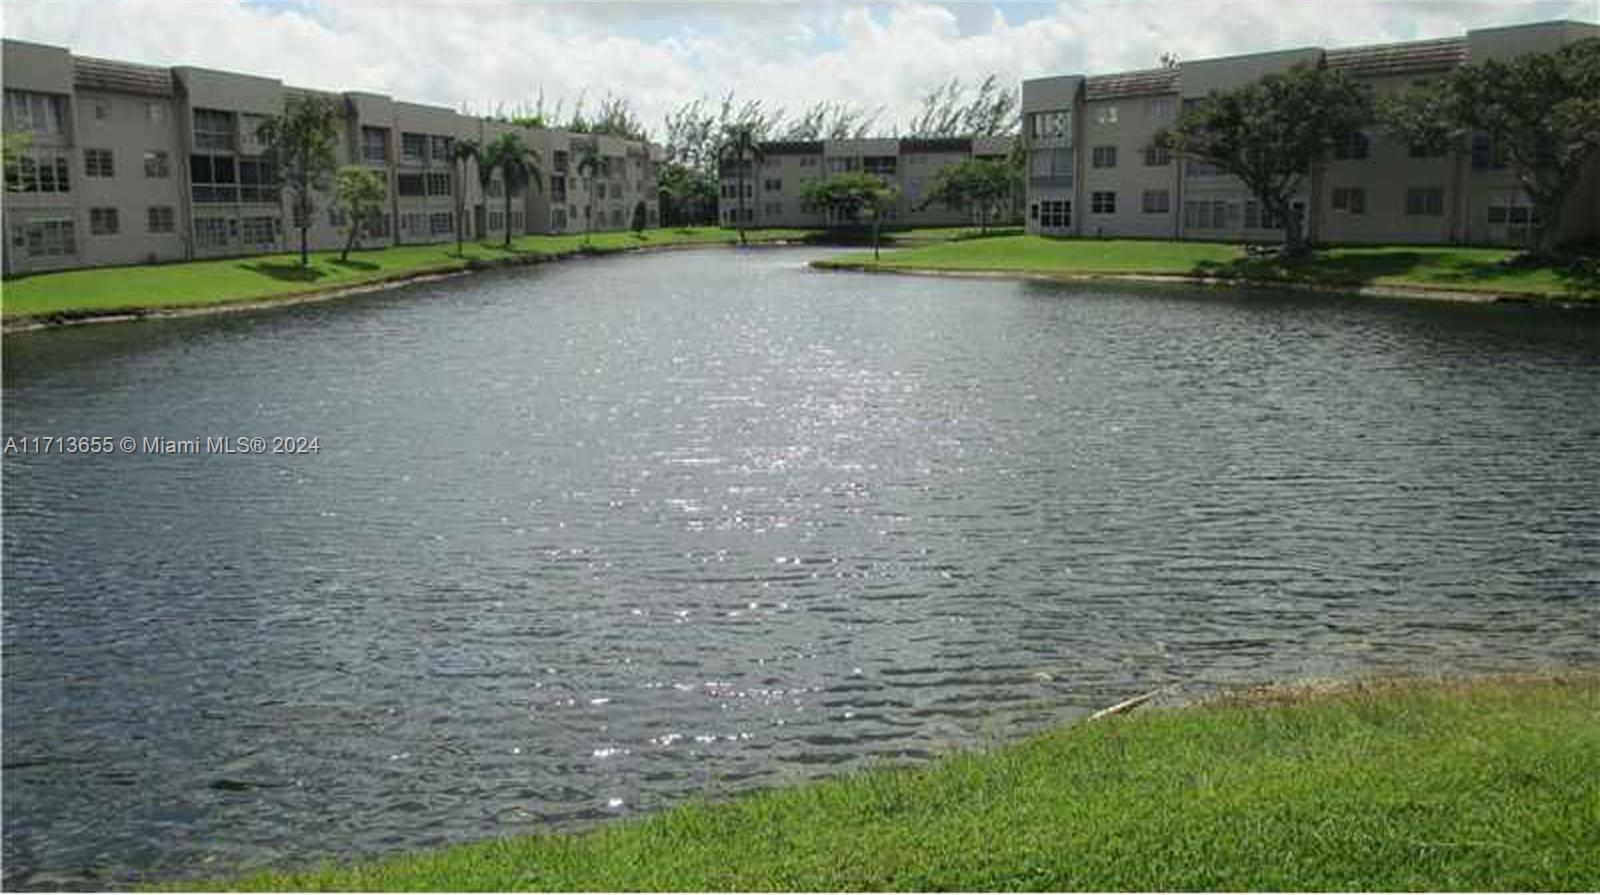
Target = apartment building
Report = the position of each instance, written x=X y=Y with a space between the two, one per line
x=128 y=164
x=1091 y=170
x=773 y=186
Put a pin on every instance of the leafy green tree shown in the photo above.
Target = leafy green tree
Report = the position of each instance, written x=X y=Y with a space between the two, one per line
x=688 y=196
x=588 y=168
x=518 y=166
x=979 y=184
x=1272 y=133
x=848 y=198
x=300 y=148
x=741 y=152
x=462 y=152
x=1541 y=110
x=358 y=194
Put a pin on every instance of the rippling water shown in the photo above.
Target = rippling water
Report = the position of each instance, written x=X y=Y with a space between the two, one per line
x=585 y=540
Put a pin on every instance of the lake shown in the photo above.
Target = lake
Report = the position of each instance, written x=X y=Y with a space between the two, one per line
x=586 y=540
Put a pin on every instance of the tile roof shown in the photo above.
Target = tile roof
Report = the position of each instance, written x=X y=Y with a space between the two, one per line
x=1131 y=83
x=1400 y=58
x=90 y=73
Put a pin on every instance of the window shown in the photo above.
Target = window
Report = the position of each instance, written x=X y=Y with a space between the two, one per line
x=1104 y=157
x=883 y=165
x=336 y=217
x=441 y=222
x=772 y=186
x=1353 y=145
x=1422 y=150
x=438 y=183
x=161 y=219
x=1425 y=201
x=772 y=209
x=1157 y=156
x=1196 y=168
x=40 y=113
x=1051 y=164
x=496 y=189
x=1055 y=214
x=1161 y=108
x=1351 y=199
x=1157 y=202
x=413 y=147
x=1052 y=125
x=439 y=148
x=102 y=110
x=1207 y=214
x=38 y=173
x=97 y=163
x=213 y=129
x=1103 y=203
x=211 y=233
x=558 y=219
x=808 y=161
x=44 y=239
x=156 y=164
x=411 y=185
x=559 y=162
x=558 y=188
x=516 y=222
x=497 y=220
x=260 y=230
x=1106 y=115
x=155 y=113
x=840 y=165
x=375 y=145
x=103 y=221
x=1487 y=154
x=249 y=127
x=214 y=178
x=258 y=181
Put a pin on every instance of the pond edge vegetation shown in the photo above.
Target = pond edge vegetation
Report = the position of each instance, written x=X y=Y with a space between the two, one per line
x=1439 y=783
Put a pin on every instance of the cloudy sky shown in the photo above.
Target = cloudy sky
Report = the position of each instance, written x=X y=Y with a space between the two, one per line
x=487 y=52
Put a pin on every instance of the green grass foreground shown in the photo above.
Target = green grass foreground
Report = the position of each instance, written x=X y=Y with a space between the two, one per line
x=265 y=277
x=1453 y=268
x=1479 y=784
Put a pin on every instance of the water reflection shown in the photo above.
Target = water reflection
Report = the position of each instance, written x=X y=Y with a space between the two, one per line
x=586 y=540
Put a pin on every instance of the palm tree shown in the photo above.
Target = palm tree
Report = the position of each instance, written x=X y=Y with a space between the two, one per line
x=589 y=170
x=461 y=152
x=741 y=150
x=518 y=166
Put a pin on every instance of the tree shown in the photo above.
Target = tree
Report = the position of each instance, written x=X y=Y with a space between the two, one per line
x=847 y=198
x=1272 y=133
x=589 y=169
x=1541 y=111
x=687 y=196
x=827 y=120
x=462 y=152
x=740 y=151
x=518 y=166
x=300 y=148
x=640 y=217
x=981 y=184
x=358 y=194
x=948 y=111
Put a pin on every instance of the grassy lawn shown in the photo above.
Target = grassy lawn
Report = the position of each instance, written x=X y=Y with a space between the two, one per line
x=1484 y=784
x=262 y=277
x=1438 y=267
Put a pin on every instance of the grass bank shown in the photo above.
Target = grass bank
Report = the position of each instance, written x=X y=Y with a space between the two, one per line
x=1447 y=268
x=266 y=277
x=1480 y=784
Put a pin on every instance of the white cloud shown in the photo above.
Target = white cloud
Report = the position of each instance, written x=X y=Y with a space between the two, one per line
x=660 y=54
